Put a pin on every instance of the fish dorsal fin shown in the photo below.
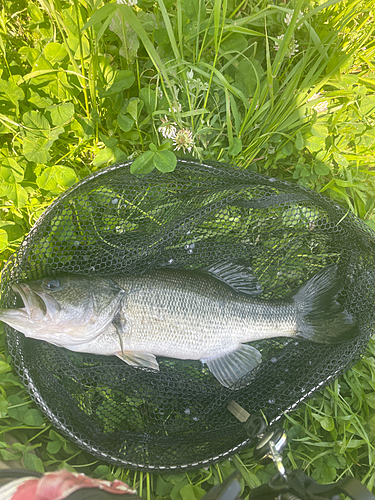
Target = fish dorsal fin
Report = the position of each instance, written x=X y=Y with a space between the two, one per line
x=236 y=276
x=228 y=369
x=139 y=359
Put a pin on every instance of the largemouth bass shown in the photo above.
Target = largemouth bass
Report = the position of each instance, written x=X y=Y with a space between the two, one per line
x=208 y=316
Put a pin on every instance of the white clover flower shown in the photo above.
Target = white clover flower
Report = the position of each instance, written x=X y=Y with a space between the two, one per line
x=288 y=18
x=176 y=106
x=300 y=16
x=277 y=44
x=314 y=96
x=293 y=48
x=183 y=139
x=321 y=107
x=130 y=3
x=167 y=130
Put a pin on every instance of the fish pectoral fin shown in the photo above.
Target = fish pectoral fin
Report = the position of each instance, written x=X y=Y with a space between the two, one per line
x=119 y=322
x=229 y=368
x=140 y=359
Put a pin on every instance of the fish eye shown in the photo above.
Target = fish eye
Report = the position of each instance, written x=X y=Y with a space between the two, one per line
x=52 y=285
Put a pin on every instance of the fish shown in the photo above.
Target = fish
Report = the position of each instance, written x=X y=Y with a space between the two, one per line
x=209 y=315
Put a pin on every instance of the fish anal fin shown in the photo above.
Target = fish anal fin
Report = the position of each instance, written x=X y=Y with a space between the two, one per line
x=139 y=359
x=231 y=367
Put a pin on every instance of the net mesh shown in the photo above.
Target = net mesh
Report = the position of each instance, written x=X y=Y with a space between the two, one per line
x=196 y=216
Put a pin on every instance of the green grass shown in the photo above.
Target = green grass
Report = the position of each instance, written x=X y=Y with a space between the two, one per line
x=84 y=84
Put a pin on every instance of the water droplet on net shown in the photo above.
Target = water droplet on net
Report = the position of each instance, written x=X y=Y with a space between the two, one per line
x=115 y=201
x=187 y=411
x=273 y=360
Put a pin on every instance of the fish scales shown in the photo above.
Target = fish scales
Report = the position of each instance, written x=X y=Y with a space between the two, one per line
x=191 y=316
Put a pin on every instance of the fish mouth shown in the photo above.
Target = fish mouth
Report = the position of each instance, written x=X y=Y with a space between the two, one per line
x=35 y=307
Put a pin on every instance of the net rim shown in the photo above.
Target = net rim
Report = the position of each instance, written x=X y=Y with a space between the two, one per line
x=23 y=370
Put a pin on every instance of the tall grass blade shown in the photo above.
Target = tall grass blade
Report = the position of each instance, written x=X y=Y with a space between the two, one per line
x=284 y=45
x=170 y=32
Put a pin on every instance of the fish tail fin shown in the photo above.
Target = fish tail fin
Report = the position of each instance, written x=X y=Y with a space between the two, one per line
x=320 y=317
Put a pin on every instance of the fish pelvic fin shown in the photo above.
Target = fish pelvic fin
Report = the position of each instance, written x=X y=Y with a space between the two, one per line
x=320 y=317
x=231 y=367
x=139 y=359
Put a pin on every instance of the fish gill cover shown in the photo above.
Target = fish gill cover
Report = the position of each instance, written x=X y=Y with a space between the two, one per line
x=193 y=218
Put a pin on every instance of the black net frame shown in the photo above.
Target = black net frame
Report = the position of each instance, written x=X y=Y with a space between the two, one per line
x=113 y=222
